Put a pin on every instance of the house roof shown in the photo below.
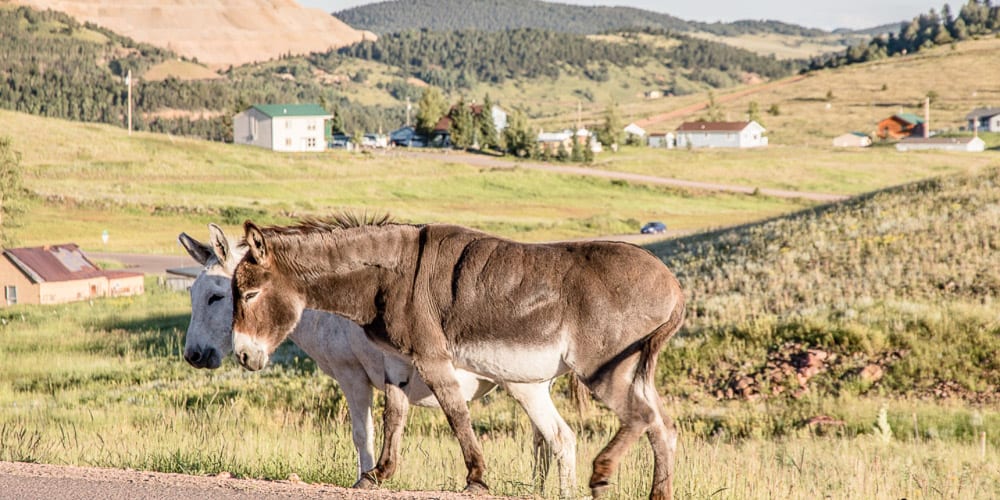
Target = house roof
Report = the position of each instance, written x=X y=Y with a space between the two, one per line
x=554 y=136
x=978 y=113
x=909 y=118
x=701 y=126
x=278 y=110
x=64 y=262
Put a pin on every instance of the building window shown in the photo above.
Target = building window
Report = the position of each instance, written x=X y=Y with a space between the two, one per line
x=311 y=142
x=311 y=126
x=288 y=142
x=288 y=124
x=10 y=293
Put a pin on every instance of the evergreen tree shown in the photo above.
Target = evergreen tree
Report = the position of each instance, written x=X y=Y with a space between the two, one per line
x=10 y=190
x=576 y=154
x=753 y=112
x=488 y=136
x=561 y=153
x=517 y=135
x=713 y=111
x=463 y=131
x=612 y=132
x=430 y=109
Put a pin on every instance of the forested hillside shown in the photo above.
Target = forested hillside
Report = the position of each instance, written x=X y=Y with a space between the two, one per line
x=448 y=15
x=54 y=66
x=456 y=59
x=976 y=18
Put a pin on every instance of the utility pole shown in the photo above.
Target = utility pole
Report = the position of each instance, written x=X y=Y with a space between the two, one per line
x=128 y=83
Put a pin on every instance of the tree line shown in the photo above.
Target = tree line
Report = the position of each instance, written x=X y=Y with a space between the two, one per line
x=975 y=18
x=504 y=15
x=56 y=67
x=458 y=59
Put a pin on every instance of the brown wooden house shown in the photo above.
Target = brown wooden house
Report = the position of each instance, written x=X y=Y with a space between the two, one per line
x=55 y=274
x=901 y=126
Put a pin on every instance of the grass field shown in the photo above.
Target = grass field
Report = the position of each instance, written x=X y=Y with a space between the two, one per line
x=103 y=384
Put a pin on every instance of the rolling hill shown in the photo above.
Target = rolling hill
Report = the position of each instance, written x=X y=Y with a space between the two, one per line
x=448 y=15
x=219 y=33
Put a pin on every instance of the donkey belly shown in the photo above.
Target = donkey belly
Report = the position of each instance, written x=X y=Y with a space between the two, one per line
x=511 y=363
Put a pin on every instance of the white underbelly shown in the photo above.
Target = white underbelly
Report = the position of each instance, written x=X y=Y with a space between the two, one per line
x=511 y=363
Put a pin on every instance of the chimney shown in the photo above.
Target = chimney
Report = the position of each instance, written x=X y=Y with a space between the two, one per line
x=927 y=117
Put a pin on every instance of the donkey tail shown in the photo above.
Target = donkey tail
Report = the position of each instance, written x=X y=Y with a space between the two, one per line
x=646 y=370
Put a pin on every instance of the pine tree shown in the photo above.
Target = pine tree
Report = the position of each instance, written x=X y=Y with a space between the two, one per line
x=612 y=132
x=10 y=190
x=462 y=126
x=488 y=136
x=430 y=109
x=753 y=113
x=517 y=137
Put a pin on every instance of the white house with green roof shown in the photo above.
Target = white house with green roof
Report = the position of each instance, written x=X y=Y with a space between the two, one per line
x=282 y=127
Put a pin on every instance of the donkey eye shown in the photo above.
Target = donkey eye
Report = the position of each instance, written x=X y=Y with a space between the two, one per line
x=250 y=295
x=214 y=298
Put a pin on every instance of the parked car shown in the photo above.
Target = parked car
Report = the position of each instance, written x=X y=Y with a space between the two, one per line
x=654 y=227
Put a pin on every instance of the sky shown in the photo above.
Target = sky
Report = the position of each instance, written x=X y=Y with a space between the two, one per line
x=827 y=15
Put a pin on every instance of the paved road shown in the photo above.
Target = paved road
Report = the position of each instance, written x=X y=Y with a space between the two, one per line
x=488 y=161
x=147 y=264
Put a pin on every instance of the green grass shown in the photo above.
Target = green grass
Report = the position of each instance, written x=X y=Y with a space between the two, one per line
x=103 y=384
x=147 y=188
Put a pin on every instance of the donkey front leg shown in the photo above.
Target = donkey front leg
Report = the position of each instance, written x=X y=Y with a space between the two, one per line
x=397 y=405
x=439 y=374
x=358 y=393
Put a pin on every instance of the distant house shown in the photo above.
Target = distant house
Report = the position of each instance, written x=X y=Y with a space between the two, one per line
x=900 y=126
x=852 y=140
x=441 y=136
x=967 y=144
x=635 y=134
x=984 y=119
x=551 y=141
x=283 y=127
x=661 y=140
x=721 y=135
x=408 y=137
x=60 y=273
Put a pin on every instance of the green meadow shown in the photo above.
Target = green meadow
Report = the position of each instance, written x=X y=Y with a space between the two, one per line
x=894 y=290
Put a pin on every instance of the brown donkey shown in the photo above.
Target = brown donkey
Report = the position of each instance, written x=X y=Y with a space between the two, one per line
x=446 y=296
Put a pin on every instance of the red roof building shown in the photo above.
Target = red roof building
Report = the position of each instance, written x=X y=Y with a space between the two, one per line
x=55 y=274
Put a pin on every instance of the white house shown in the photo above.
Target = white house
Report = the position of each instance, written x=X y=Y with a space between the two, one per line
x=282 y=127
x=968 y=144
x=661 y=140
x=852 y=140
x=984 y=119
x=721 y=135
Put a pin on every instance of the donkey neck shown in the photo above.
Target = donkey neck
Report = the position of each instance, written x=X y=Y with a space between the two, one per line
x=342 y=271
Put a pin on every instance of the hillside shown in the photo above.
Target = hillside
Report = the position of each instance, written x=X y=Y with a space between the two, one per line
x=900 y=282
x=219 y=33
x=447 y=15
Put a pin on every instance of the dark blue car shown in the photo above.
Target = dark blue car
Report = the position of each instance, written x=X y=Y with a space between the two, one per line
x=654 y=228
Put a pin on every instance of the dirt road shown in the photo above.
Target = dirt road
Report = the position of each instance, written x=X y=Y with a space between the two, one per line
x=487 y=161
x=56 y=482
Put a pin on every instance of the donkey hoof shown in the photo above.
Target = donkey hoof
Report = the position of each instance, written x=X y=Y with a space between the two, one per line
x=368 y=481
x=476 y=488
x=598 y=490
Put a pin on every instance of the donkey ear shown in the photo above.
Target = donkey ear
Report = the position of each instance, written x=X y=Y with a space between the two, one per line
x=220 y=244
x=255 y=240
x=196 y=249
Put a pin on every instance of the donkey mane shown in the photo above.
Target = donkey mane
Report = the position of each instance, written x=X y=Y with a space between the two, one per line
x=321 y=226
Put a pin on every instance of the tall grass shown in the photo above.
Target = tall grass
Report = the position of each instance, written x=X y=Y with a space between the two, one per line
x=103 y=384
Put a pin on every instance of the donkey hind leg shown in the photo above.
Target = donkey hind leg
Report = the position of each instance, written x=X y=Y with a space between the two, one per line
x=545 y=420
x=439 y=375
x=358 y=393
x=634 y=400
x=393 y=421
x=541 y=460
